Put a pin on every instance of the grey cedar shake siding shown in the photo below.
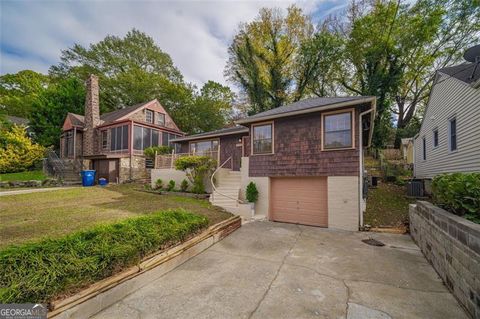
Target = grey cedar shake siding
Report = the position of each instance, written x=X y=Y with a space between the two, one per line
x=449 y=98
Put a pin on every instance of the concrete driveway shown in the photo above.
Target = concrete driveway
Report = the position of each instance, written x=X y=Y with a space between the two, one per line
x=274 y=270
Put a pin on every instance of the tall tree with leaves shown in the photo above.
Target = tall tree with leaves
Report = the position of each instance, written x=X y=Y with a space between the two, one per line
x=19 y=91
x=262 y=57
x=133 y=69
x=51 y=108
x=393 y=49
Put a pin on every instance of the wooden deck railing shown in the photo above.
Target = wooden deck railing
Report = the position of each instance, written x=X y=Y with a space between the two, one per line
x=168 y=161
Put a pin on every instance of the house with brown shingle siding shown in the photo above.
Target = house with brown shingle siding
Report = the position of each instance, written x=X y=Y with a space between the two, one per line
x=306 y=159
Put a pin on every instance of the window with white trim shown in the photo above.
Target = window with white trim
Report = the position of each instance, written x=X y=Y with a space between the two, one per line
x=104 y=140
x=149 y=116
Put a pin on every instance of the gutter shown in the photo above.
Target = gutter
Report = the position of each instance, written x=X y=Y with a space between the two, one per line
x=360 y=162
x=206 y=136
x=309 y=110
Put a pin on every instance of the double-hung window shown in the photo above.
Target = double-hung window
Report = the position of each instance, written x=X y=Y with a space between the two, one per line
x=337 y=132
x=262 y=138
x=161 y=119
x=452 y=134
x=149 y=116
x=104 y=140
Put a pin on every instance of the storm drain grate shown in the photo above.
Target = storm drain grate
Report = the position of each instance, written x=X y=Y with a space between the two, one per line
x=373 y=242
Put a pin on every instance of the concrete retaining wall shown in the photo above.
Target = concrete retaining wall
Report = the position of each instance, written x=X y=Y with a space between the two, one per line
x=452 y=245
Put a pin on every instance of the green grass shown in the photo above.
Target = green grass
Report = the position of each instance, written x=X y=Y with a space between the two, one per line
x=34 y=216
x=387 y=206
x=23 y=176
x=42 y=271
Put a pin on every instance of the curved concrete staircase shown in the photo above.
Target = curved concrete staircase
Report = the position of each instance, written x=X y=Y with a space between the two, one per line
x=227 y=184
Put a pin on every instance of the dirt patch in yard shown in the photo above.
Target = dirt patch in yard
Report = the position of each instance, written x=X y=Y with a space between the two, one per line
x=387 y=206
x=50 y=214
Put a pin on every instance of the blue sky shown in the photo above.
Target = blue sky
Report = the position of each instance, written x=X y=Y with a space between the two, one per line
x=196 y=34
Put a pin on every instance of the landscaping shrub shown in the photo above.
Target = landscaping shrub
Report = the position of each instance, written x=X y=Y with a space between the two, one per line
x=458 y=193
x=42 y=271
x=197 y=169
x=171 y=185
x=17 y=151
x=159 y=184
x=160 y=150
x=252 y=192
x=184 y=185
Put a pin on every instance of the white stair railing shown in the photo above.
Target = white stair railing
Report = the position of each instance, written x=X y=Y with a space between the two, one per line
x=214 y=188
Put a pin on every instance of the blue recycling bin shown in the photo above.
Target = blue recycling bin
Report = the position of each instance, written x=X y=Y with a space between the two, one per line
x=102 y=182
x=88 y=178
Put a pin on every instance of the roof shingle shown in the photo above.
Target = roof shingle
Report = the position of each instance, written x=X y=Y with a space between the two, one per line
x=302 y=105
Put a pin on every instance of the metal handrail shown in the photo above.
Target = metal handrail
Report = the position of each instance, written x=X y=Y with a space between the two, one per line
x=238 y=201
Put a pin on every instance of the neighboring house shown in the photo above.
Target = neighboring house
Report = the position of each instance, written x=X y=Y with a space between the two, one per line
x=449 y=138
x=407 y=150
x=113 y=143
x=19 y=121
x=305 y=158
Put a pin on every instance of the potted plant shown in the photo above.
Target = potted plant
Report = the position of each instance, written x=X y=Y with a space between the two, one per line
x=252 y=196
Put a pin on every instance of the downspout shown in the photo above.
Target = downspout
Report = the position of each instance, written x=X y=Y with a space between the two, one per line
x=131 y=149
x=360 y=168
x=74 y=141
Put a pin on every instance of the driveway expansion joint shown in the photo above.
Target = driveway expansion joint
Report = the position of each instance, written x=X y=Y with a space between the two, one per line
x=276 y=274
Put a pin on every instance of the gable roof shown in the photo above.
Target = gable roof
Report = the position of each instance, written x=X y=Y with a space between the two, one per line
x=118 y=114
x=307 y=106
x=466 y=72
x=221 y=132
x=17 y=120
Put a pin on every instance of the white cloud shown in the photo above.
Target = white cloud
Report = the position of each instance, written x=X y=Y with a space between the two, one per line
x=196 y=34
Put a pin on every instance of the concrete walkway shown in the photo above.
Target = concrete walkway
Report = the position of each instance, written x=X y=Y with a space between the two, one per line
x=33 y=190
x=273 y=270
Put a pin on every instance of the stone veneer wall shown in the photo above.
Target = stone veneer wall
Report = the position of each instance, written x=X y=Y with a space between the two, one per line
x=452 y=245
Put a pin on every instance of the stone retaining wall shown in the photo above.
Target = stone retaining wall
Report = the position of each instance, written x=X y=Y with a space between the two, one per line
x=452 y=245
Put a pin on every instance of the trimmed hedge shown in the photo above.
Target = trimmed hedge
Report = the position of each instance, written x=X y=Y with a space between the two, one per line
x=458 y=193
x=42 y=271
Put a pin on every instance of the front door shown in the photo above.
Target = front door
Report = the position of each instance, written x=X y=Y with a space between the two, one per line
x=237 y=157
x=106 y=168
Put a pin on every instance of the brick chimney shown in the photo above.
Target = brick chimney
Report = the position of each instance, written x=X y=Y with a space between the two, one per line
x=92 y=115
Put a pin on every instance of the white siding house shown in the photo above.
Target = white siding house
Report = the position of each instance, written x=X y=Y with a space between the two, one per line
x=449 y=138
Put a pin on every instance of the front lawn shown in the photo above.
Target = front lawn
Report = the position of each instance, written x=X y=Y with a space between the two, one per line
x=52 y=214
x=387 y=206
x=23 y=176
x=45 y=270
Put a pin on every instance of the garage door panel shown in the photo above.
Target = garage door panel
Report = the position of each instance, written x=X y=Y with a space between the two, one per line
x=301 y=200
